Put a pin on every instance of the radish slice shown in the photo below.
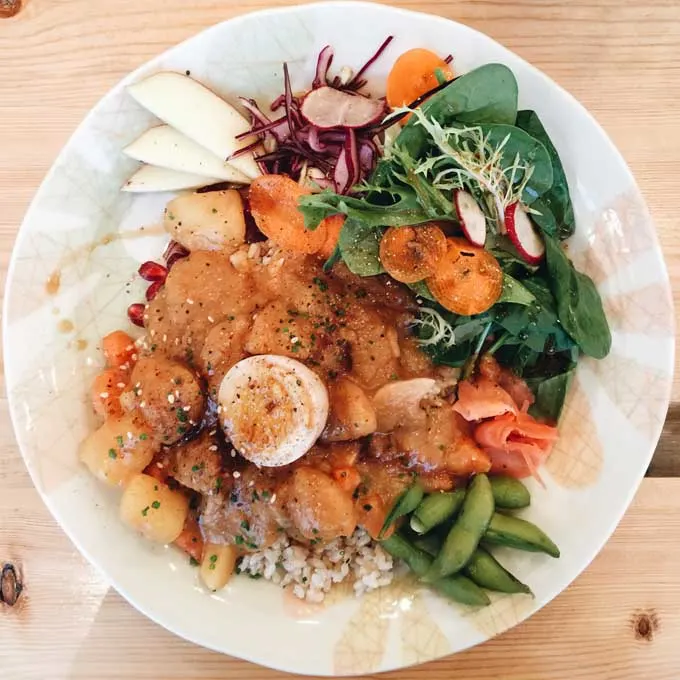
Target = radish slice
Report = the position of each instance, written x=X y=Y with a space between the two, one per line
x=197 y=113
x=165 y=147
x=150 y=178
x=471 y=217
x=327 y=108
x=523 y=234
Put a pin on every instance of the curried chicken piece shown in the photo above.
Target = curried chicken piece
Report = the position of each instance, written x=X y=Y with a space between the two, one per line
x=198 y=464
x=224 y=346
x=443 y=444
x=352 y=415
x=318 y=509
x=169 y=396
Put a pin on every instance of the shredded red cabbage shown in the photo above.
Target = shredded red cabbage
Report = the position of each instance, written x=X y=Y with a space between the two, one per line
x=336 y=158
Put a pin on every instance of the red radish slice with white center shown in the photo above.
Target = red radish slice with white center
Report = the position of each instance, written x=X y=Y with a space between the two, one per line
x=523 y=234
x=471 y=217
x=328 y=108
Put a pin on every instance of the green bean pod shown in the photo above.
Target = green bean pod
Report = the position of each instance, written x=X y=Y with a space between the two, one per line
x=486 y=571
x=509 y=493
x=514 y=532
x=406 y=503
x=435 y=509
x=458 y=588
x=466 y=532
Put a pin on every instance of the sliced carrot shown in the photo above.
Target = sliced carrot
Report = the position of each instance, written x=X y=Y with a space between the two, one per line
x=274 y=206
x=371 y=514
x=411 y=254
x=191 y=539
x=119 y=349
x=333 y=226
x=414 y=74
x=106 y=390
x=348 y=478
x=468 y=280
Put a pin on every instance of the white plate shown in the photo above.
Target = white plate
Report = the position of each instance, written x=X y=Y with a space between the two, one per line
x=609 y=430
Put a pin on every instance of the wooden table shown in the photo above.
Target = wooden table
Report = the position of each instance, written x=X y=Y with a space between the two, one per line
x=621 y=618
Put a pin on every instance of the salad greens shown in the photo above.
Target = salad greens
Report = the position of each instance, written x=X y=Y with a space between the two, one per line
x=469 y=136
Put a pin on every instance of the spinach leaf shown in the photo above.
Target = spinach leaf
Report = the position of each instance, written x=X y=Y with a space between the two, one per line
x=518 y=144
x=406 y=210
x=514 y=292
x=579 y=305
x=550 y=394
x=557 y=212
x=486 y=95
x=359 y=245
x=421 y=290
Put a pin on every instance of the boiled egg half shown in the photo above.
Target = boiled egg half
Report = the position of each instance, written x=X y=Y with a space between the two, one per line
x=272 y=408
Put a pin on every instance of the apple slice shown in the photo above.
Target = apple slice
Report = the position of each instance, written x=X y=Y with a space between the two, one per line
x=198 y=113
x=471 y=217
x=165 y=147
x=523 y=234
x=150 y=178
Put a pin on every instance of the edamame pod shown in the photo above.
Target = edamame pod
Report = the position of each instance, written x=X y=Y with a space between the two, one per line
x=462 y=589
x=436 y=509
x=431 y=543
x=467 y=530
x=418 y=561
x=458 y=588
x=486 y=571
x=514 y=532
x=406 y=503
x=509 y=492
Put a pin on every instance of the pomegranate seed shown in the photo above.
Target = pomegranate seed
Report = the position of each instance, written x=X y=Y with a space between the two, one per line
x=153 y=289
x=152 y=271
x=136 y=314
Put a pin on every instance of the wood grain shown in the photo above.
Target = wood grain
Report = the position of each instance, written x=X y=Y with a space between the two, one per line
x=620 y=620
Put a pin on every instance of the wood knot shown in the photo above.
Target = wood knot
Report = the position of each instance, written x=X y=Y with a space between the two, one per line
x=645 y=624
x=8 y=8
x=10 y=585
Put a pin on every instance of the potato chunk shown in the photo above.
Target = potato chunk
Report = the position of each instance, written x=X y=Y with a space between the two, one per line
x=208 y=221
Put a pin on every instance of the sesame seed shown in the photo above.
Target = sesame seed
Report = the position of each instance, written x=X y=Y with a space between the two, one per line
x=153 y=332
x=142 y=404
x=171 y=398
x=237 y=474
x=104 y=395
x=129 y=348
x=273 y=498
x=129 y=435
x=134 y=357
x=120 y=384
x=212 y=433
x=295 y=339
x=138 y=384
x=160 y=465
x=186 y=408
x=219 y=409
x=190 y=301
x=165 y=337
x=212 y=448
x=233 y=453
x=211 y=319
